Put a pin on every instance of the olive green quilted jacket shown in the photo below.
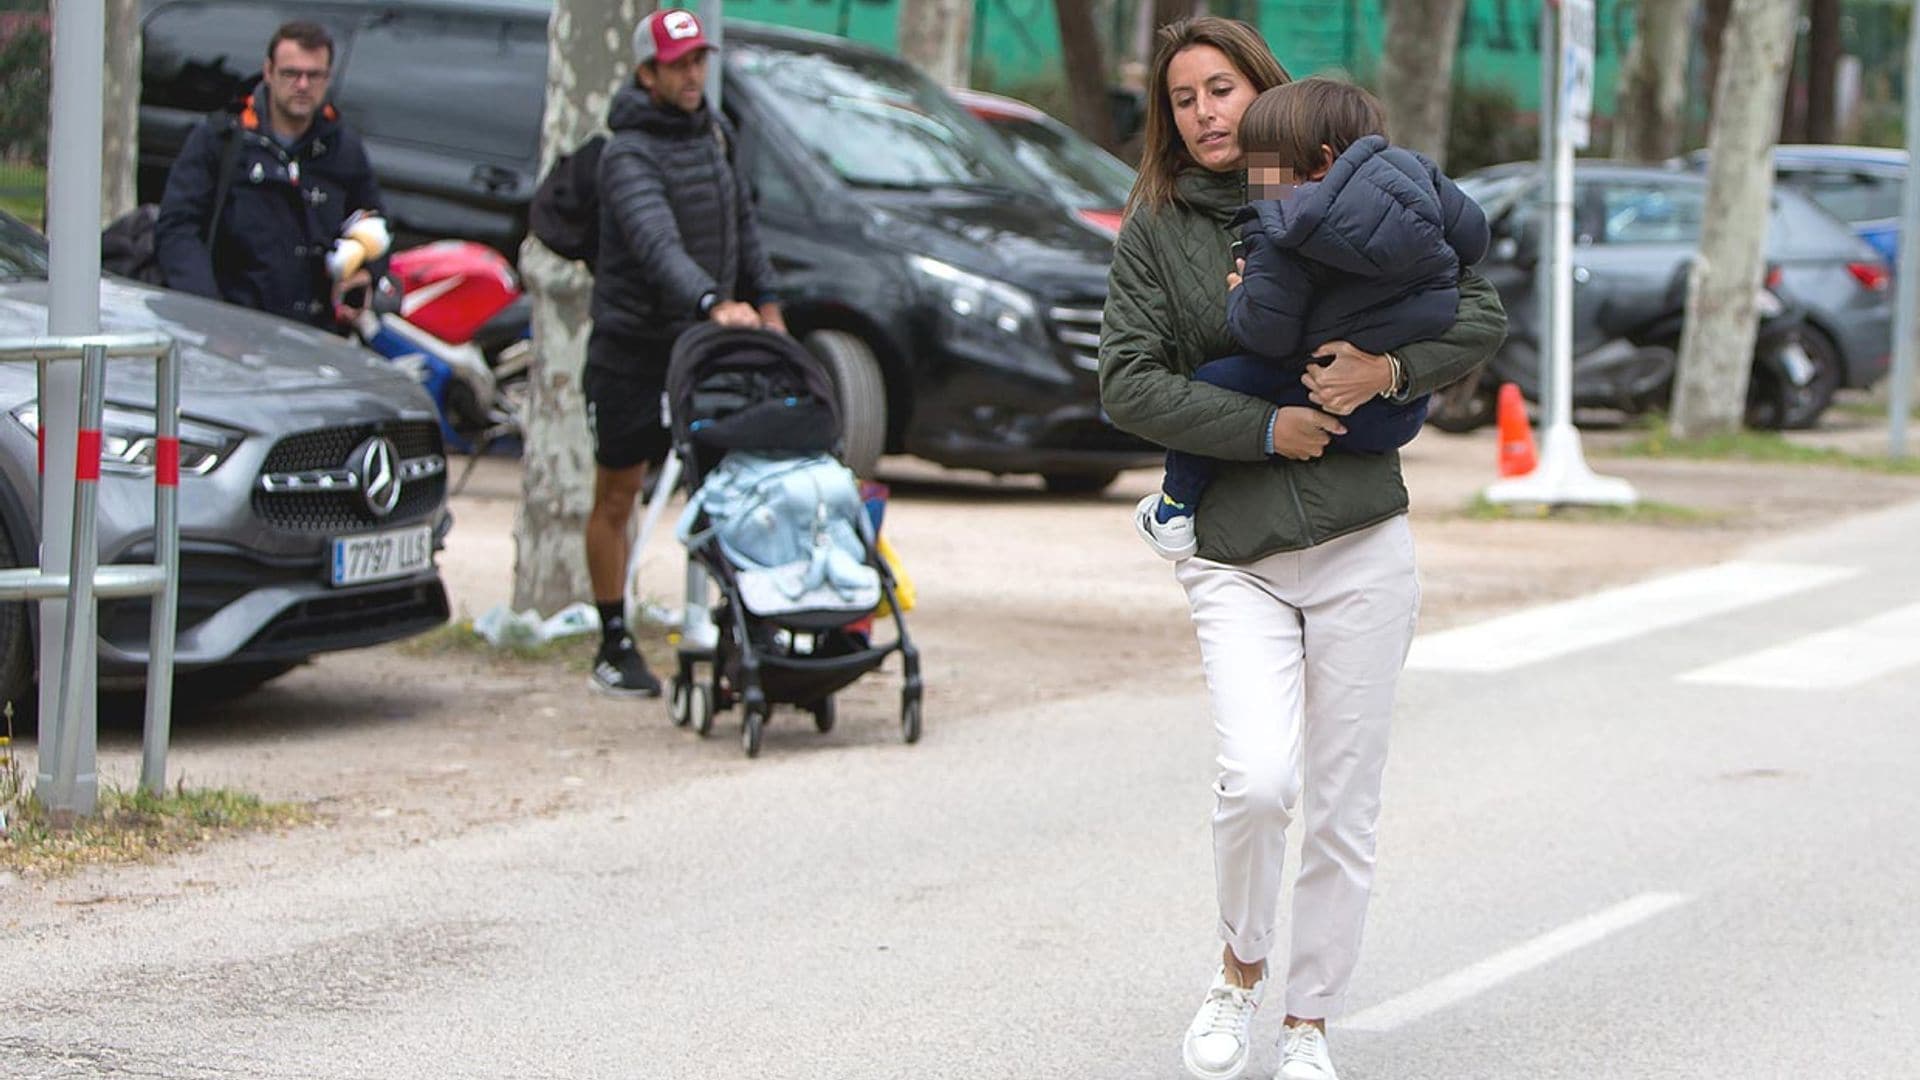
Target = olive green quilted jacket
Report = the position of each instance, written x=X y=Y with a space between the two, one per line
x=1167 y=314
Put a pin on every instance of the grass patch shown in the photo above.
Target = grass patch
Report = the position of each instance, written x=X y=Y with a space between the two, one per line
x=23 y=191
x=134 y=825
x=1759 y=447
x=1868 y=410
x=130 y=826
x=1643 y=513
x=459 y=638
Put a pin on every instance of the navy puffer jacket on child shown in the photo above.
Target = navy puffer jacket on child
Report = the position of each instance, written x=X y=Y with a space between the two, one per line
x=1370 y=254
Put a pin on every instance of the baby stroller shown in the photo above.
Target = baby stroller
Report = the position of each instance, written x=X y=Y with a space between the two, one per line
x=776 y=519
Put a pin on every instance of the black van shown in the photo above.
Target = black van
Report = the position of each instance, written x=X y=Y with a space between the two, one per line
x=951 y=294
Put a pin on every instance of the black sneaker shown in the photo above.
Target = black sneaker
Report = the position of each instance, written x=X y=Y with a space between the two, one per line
x=619 y=671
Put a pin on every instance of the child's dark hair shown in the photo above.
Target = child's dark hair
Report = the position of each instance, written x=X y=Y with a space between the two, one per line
x=1296 y=119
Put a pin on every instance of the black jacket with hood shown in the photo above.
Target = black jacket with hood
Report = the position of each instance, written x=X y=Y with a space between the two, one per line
x=1369 y=254
x=285 y=206
x=676 y=222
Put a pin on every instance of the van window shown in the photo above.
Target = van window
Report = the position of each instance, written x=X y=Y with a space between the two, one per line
x=465 y=83
x=875 y=121
x=195 y=55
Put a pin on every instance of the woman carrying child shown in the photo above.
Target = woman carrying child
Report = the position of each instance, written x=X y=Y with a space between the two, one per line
x=1302 y=587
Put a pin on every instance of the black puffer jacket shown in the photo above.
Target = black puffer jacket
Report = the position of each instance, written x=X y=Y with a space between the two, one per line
x=1370 y=254
x=284 y=210
x=676 y=221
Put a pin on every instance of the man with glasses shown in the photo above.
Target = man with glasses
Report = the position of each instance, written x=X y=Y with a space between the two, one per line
x=262 y=192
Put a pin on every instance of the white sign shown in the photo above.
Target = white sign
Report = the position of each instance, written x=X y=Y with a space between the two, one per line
x=1576 y=67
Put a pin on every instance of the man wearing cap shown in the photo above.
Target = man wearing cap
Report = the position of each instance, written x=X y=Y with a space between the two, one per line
x=678 y=246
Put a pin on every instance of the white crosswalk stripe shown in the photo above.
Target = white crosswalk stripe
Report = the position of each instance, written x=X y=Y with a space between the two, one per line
x=1615 y=615
x=1834 y=659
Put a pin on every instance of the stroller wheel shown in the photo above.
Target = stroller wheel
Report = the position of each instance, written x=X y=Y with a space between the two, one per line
x=679 y=701
x=823 y=715
x=753 y=722
x=700 y=709
x=910 y=717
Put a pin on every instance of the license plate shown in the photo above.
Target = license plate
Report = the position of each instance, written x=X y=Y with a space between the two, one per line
x=382 y=555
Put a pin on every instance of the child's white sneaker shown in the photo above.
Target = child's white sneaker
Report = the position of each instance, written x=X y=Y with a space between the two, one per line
x=1217 y=1040
x=1172 y=539
x=1305 y=1055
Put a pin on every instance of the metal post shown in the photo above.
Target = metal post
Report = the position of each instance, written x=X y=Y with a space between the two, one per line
x=710 y=21
x=67 y=782
x=166 y=554
x=1549 y=167
x=1907 y=278
x=1562 y=476
x=77 y=734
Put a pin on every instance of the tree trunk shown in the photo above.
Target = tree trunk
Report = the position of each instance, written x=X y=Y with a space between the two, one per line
x=1085 y=62
x=1716 y=345
x=1163 y=12
x=588 y=59
x=1713 y=35
x=1416 y=72
x=120 y=137
x=1653 y=82
x=1823 y=71
x=936 y=36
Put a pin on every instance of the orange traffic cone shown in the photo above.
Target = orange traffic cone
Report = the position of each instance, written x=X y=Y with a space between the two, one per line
x=1517 y=457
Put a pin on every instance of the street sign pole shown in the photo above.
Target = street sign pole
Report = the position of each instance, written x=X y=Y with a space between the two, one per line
x=1562 y=476
x=1906 y=280
x=67 y=781
x=1550 y=167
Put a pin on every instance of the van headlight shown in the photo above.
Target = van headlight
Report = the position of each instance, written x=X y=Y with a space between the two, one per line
x=127 y=441
x=987 y=319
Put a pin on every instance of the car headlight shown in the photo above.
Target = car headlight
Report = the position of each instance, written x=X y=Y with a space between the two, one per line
x=988 y=319
x=127 y=441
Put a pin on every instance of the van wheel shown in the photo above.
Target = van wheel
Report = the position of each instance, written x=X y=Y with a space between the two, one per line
x=863 y=395
x=16 y=652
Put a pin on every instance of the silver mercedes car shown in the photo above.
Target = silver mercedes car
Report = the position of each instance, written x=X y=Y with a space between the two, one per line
x=312 y=486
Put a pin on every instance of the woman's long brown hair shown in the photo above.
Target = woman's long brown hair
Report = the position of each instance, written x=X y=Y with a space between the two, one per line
x=1164 y=153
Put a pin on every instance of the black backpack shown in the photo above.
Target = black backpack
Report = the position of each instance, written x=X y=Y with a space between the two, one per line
x=128 y=246
x=565 y=211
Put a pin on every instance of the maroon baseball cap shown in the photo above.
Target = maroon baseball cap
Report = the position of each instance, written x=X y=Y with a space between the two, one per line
x=666 y=36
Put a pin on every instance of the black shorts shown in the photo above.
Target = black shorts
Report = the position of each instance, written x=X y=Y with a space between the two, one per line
x=623 y=386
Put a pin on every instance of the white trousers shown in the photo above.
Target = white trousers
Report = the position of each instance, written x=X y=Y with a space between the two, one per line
x=1302 y=651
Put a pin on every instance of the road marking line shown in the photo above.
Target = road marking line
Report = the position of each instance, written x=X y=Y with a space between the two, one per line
x=1491 y=972
x=1831 y=660
x=1614 y=615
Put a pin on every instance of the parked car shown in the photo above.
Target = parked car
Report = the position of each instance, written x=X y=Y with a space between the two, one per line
x=1636 y=226
x=1860 y=185
x=1083 y=177
x=281 y=429
x=957 y=302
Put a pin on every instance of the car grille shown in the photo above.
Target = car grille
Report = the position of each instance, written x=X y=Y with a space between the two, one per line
x=1076 y=326
x=344 y=508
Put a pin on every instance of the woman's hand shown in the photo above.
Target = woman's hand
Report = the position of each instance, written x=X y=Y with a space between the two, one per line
x=1350 y=381
x=1301 y=433
x=1234 y=278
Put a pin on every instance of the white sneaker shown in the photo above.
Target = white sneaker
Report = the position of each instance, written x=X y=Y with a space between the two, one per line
x=1306 y=1055
x=1216 y=1043
x=1173 y=539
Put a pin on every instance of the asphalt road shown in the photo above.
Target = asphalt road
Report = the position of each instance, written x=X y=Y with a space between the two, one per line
x=1684 y=848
